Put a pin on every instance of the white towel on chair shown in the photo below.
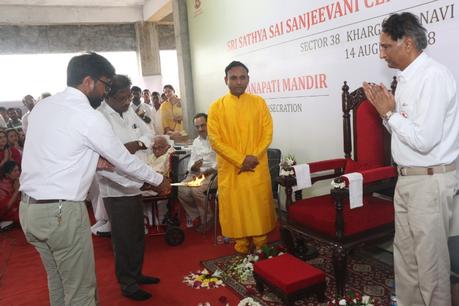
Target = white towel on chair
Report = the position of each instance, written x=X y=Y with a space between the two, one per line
x=355 y=189
x=303 y=177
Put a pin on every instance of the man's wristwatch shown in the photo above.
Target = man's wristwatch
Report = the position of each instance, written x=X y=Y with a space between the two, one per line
x=140 y=144
x=387 y=115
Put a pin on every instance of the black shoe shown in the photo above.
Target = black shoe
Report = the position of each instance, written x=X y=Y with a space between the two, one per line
x=146 y=280
x=138 y=295
x=104 y=234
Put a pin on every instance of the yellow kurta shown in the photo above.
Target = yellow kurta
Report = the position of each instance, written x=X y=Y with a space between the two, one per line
x=238 y=127
x=168 y=111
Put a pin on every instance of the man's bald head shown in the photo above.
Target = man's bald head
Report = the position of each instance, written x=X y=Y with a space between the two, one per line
x=160 y=146
x=29 y=102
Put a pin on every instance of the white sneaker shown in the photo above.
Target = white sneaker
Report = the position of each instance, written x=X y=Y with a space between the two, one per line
x=5 y=224
x=99 y=224
x=105 y=228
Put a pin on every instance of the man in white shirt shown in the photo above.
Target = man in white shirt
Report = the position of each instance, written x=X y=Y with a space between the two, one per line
x=146 y=97
x=29 y=103
x=423 y=119
x=124 y=204
x=64 y=145
x=141 y=109
x=156 y=114
x=203 y=161
x=3 y=117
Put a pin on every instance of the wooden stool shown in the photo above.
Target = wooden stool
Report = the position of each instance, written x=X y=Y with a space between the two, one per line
x=290 y=278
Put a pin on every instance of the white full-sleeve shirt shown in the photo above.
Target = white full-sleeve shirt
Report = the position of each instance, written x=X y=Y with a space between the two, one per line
x=127 y=128
x=65 y=138
x=425 y=127
x=143 y=107
x=157 y=121
x=201 y=149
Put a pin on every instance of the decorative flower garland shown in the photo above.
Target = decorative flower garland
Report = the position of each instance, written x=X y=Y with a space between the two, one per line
x=243 y=269
x=354 y=299
x=248 y=301
x=203 y=279
x=338 y=183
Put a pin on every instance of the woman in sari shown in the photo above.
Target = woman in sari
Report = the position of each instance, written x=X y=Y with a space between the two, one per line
x=171 y=114
x=7 y=153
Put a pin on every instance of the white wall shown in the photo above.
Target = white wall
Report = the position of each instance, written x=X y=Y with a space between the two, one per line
x=37 y=73
x=307 y=122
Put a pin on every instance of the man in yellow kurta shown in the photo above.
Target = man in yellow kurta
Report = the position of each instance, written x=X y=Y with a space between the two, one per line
x=240 y=131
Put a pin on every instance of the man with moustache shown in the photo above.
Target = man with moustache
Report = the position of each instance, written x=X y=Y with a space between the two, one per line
x=423 y=119
x=65 y=141
x=155 y=112
x=123 y=200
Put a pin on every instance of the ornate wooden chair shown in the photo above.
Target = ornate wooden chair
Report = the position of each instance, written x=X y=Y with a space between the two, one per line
x=328 y=218
x=274 y=158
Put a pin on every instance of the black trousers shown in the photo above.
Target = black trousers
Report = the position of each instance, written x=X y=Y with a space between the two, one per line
x=128 y=238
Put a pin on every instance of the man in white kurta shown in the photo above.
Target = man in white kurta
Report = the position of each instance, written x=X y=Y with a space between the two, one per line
x=203 y=162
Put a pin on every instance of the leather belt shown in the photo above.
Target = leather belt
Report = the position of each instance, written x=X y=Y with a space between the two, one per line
x=404 y=171
x=27 y=199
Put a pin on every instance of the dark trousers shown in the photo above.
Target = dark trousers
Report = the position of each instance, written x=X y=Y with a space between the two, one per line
x=127 y=220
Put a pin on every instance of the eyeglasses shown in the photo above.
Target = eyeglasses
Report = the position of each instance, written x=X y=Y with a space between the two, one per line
x=107 y=85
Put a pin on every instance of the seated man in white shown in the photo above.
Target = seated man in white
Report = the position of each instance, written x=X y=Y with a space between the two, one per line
x=160 y=162
x=202 y=162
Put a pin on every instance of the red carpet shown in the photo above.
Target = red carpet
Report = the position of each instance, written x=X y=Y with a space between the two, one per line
x=366 y=276
x=23 y=278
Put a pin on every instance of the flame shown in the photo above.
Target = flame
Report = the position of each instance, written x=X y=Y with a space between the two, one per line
x=196 y=182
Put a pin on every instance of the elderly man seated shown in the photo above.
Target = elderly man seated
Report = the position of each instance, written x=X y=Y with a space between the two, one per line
x=162 y=150
x=160 y=162
x=202 y=162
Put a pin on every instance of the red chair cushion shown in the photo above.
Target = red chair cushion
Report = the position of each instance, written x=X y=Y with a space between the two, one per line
x=319 y=214
x=288 y=273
